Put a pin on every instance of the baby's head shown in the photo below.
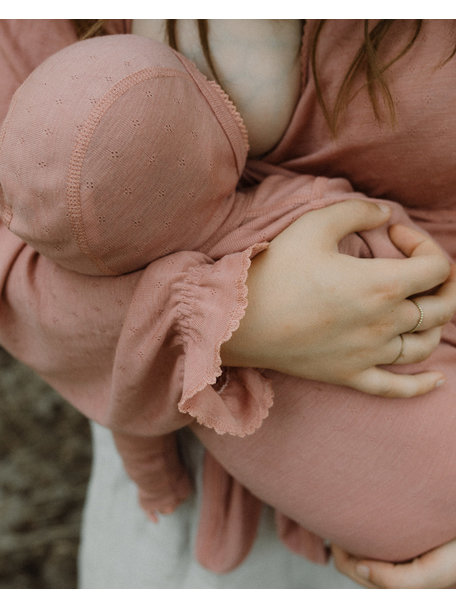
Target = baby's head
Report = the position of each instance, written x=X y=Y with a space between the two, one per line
x=117 y=151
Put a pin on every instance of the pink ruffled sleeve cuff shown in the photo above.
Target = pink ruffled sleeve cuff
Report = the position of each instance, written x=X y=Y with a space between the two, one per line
x=214 y=299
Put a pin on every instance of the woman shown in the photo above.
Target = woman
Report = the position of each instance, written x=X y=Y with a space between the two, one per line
x=18 y=343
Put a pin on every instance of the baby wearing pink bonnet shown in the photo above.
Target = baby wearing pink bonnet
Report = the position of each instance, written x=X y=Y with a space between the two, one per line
x=117 y=152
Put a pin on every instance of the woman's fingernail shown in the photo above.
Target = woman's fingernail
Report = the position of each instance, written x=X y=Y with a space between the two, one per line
x=363 y=571
x=440 y=382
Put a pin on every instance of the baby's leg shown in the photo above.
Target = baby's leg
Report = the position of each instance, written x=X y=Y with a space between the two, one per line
x=375 y=475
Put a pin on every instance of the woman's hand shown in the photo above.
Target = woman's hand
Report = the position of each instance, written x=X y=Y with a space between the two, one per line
x=322 y=315
x=433 y=570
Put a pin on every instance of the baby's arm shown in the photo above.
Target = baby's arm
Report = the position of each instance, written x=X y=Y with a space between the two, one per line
x=122 y=350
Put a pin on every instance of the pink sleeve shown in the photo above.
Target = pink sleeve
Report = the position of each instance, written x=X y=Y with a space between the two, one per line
x=167 y=369
x=141 y=371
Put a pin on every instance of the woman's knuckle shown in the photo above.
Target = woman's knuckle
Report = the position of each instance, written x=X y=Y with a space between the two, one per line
x=449 y=314
x=425 y=343
x=443 y=268
x=443 y=317
x=435 y=342
x=385 y=390
x=358 y=205
x=436 y=337
x=420 y=355
x=426 y=347
x=390 y=290
x=407 y=392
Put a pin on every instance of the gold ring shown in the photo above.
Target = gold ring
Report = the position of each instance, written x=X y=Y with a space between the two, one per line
x=420 y=320
x=401 y=352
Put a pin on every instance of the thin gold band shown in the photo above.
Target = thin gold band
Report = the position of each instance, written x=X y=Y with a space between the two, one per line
x=401 y=351
x=420 y=320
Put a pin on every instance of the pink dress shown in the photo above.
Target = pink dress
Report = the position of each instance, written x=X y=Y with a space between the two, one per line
x=330 y=460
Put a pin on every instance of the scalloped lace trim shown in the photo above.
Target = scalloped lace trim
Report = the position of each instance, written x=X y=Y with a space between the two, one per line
x=265 y=400
x=220 y=92
x=233 y=109
x=233 y=324
x=210 y=377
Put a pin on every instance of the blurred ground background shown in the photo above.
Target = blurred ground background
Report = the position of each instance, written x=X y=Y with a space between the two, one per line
x=44 y=467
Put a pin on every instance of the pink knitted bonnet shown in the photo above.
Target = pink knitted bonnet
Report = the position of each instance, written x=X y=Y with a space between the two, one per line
x=117 y=151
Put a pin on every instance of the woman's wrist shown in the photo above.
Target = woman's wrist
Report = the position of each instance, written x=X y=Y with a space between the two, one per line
x=249 y=343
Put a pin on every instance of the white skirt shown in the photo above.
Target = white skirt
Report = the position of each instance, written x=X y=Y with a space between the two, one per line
x=122 y=549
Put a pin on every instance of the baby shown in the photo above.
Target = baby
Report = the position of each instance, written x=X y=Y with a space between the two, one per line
x=116 y=153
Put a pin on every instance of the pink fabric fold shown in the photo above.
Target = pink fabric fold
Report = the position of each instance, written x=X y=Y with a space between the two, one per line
x=229 y=518
x=155 y=466
x=300 y=540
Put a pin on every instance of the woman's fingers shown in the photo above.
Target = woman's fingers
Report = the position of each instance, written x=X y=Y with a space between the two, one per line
x=413 y=242
x=418 y=274
x=425 y=266
x=410 y=348
x=414 y=348
x=336 y=221
x=404 y=349
x=341 y=219
x=384 y=575
x=428 y=311
x=383 y=383
x=347 y=565
x=439 y=308
x=433 y=570
x=447 y=292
